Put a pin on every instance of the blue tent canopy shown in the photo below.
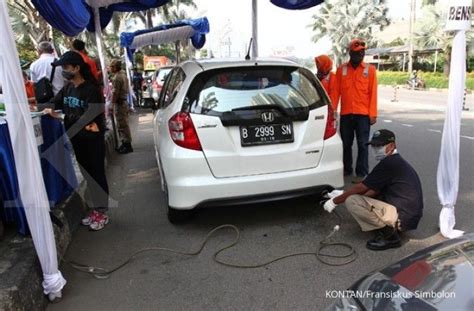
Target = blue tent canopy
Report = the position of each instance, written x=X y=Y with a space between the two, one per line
x=296 y=4
x=72 y=16
x=196 y=29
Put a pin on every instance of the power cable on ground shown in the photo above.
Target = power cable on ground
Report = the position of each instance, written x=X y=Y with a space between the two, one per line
x=351 y=255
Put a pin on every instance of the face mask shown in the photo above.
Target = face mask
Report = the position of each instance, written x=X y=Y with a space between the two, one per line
x=356 y=57
x=68 y=75
x=379 y=153
x=321 y=75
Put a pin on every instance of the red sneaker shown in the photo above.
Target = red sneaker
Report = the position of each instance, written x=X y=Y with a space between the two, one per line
x=99 y=221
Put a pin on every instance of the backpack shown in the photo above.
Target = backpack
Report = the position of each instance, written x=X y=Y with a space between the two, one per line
x=44 y=88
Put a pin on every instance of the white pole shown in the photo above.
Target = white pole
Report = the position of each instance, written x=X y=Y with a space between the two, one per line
x=100 y=49
x=404 y=60
x=128 y=68
x=410 y=43
x=254 y=28
x=436 y=60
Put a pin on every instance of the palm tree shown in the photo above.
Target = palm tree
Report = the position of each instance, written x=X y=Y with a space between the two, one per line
x=28 y=23
x=343 y=21
x=430 y=33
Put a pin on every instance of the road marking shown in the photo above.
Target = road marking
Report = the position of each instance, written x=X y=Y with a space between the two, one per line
x=387 y=121
x=407 y=125
x=436 y=131
x=468 y=137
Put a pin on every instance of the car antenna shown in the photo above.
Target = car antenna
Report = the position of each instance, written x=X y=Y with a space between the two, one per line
x=247 y=57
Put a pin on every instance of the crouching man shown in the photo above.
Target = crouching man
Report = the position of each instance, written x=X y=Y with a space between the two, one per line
x=389 y=200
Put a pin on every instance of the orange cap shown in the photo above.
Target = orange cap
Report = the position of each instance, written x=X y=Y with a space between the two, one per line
x=323 y=63
x=357 y=45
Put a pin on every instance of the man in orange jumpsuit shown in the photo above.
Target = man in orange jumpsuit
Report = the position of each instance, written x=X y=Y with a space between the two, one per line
x=356 y=86
x=326 y=76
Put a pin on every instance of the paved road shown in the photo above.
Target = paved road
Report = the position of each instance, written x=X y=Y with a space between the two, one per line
x=171 y=282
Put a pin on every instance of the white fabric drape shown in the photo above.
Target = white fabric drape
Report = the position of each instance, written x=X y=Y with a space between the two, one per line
x=30 y=177
x=448 y=166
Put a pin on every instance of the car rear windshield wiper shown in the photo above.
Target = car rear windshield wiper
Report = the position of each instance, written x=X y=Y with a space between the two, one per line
x=263 y=107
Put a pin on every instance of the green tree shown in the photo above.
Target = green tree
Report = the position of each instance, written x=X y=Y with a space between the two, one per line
x=430 y=33
x=27 y=23
x=396 y=42
x=343 y=21
x=429 y=2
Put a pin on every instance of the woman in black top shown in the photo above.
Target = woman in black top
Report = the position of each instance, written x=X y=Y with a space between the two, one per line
x=82 y=103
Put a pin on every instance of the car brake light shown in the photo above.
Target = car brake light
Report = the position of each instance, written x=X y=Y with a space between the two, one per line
x=331 y=126
x=182 y=131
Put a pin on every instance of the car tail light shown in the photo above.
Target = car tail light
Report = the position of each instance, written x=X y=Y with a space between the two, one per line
x=331 y=125
x=182 y=131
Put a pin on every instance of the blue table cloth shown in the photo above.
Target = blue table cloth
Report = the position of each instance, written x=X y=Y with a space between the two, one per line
x=12 y=206
x=56 y=163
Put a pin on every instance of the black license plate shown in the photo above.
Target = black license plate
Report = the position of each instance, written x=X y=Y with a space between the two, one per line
x=251 y=135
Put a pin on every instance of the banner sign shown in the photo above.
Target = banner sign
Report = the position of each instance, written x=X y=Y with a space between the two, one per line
x=459 y=15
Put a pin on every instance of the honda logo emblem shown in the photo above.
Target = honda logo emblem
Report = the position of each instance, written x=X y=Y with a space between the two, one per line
x=268 y=117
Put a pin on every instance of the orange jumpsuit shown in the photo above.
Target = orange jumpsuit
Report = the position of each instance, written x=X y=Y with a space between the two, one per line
x=357 y=89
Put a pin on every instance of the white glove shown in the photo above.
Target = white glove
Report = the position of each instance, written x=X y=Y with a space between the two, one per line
x=329 y=205
x=334 y=193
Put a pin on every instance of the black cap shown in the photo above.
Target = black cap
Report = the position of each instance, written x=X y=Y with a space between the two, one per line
x=382 y=138
x=70 y=58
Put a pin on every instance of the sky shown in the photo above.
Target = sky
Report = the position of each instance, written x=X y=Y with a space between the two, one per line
x=278 y=29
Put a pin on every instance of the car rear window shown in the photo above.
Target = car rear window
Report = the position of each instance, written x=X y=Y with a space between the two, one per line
x=217 y=91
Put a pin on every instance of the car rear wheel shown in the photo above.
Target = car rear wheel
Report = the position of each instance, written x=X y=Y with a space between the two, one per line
x=176 y=216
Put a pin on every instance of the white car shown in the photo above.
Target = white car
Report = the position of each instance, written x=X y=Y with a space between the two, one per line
x=242 y=131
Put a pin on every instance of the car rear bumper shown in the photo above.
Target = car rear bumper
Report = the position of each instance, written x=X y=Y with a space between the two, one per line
x=266 y=197
x=191 y=184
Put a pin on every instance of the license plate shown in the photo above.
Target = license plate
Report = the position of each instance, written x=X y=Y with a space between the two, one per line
x=266 y=134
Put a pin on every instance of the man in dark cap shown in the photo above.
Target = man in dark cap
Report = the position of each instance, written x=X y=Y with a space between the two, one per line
x=389 y=200
x=79 y=46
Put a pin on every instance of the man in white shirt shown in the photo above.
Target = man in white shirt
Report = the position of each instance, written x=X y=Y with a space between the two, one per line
x=42 y=67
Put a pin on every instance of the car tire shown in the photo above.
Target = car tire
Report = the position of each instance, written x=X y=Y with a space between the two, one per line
x=176 y=216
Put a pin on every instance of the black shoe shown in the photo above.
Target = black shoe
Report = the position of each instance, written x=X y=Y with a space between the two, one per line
x=385 y=238
x=125 y=148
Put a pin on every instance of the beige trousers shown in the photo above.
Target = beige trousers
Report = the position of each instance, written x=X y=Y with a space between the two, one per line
x=372 y=214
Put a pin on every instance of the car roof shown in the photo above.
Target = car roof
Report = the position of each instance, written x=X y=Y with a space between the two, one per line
x=215 y=63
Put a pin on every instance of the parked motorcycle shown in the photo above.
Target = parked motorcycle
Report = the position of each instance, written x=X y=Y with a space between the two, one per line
x=415 y=83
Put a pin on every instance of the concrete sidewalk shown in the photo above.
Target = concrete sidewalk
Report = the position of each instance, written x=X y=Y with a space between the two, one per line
x=20 y=271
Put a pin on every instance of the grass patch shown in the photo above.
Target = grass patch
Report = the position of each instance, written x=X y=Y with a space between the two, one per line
x=432 y=80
